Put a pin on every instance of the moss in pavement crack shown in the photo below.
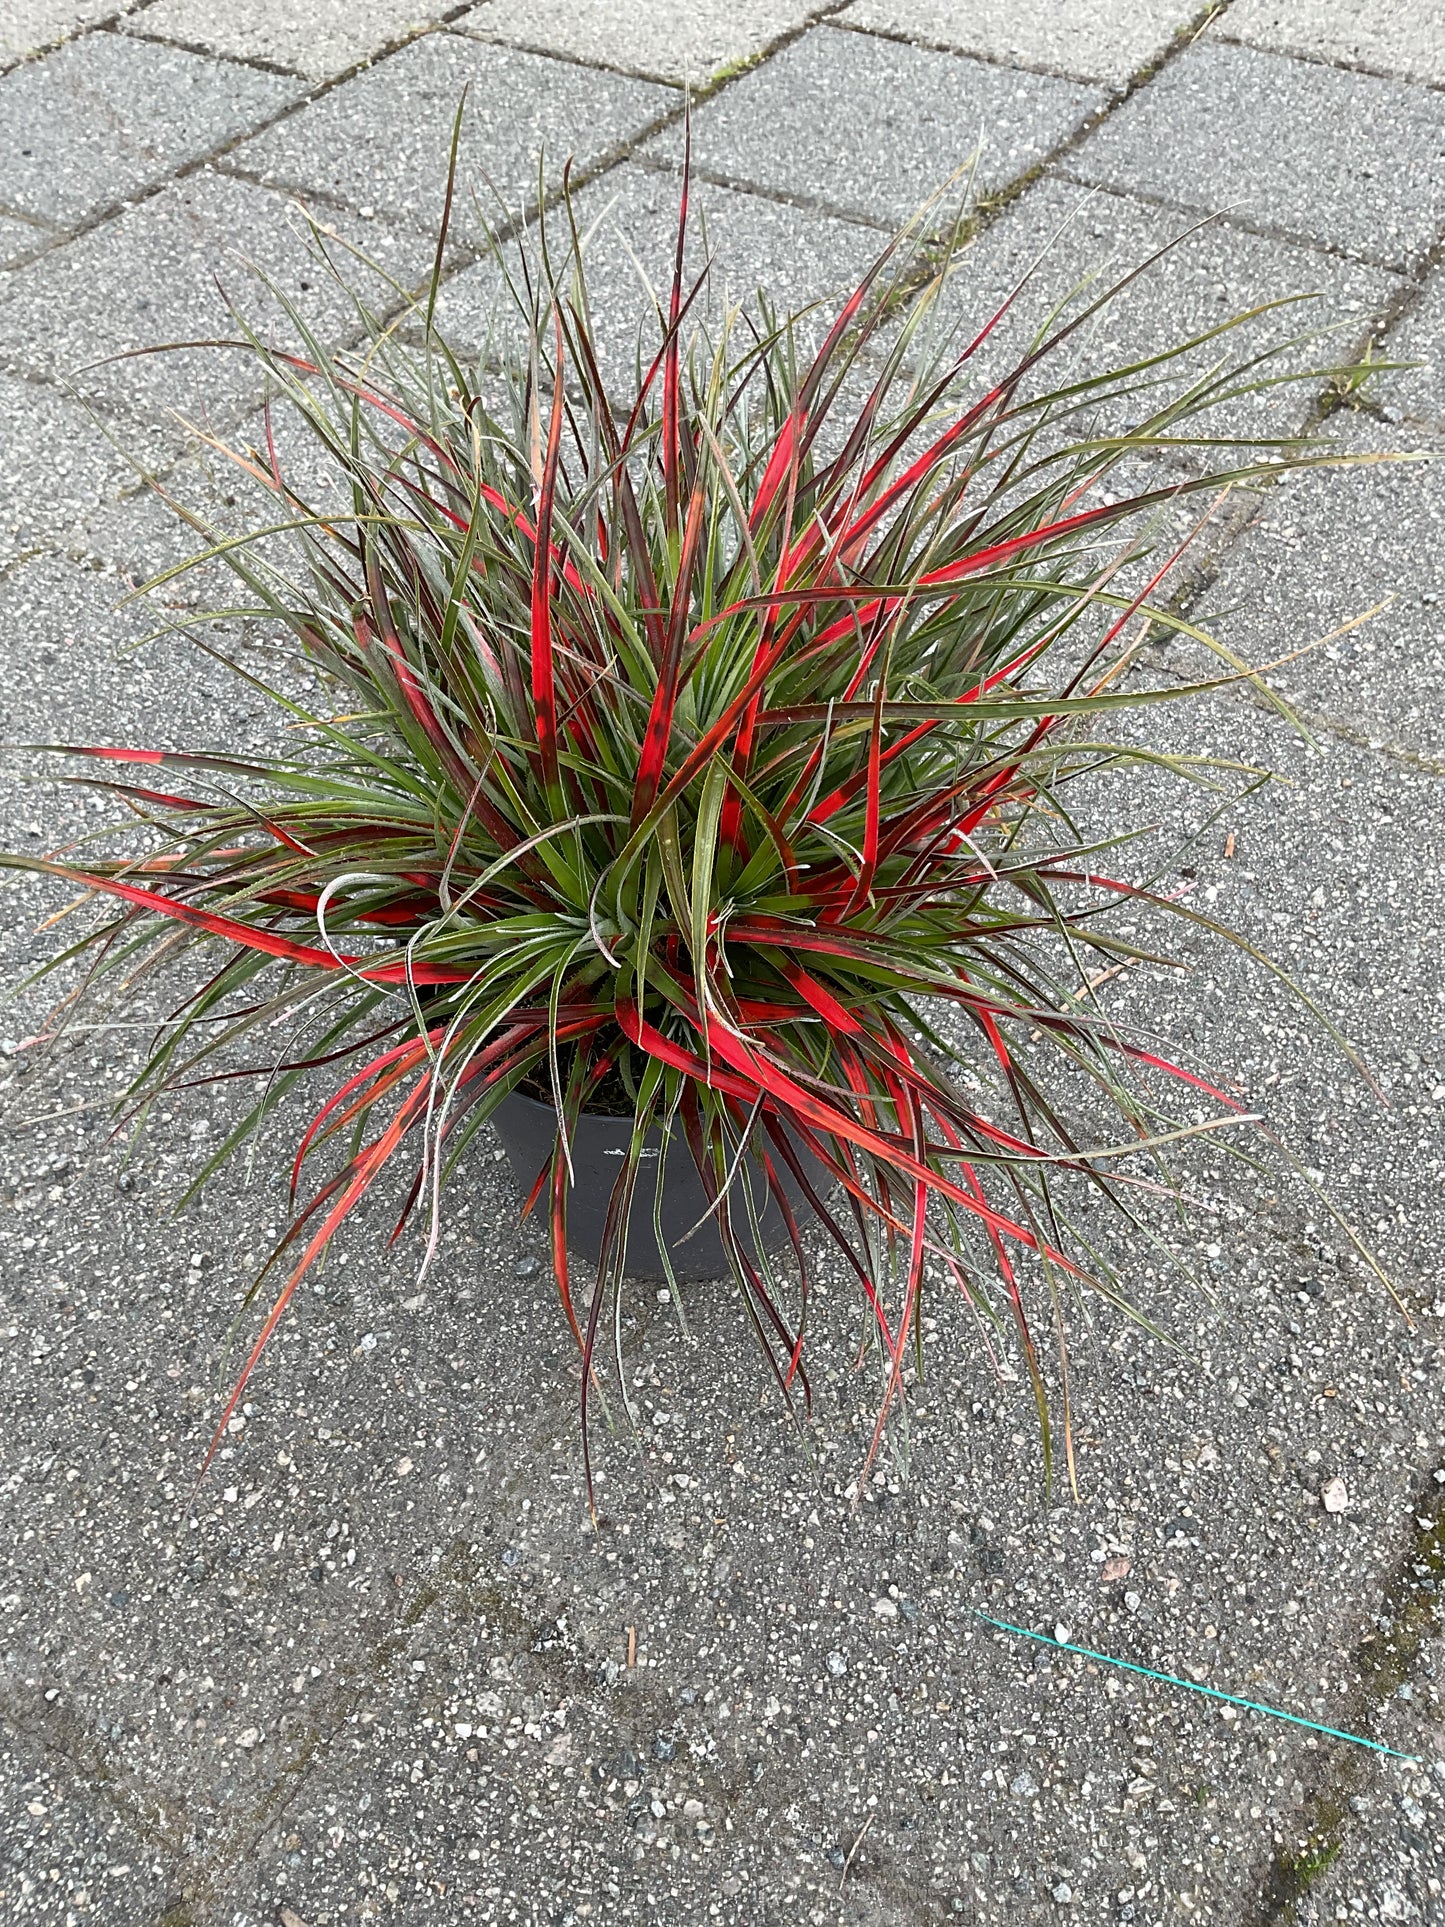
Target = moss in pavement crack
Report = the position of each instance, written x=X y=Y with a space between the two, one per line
x=1409 y=1615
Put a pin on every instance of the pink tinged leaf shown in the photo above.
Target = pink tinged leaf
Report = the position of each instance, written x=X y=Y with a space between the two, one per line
x=671 y=425
x=252 y=936
x=544 y=690
x=652 y=759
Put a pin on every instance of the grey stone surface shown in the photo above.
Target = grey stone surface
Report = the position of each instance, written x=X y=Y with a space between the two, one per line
x=58 y=463
x=1082 y=38
x=324 y=39
x=1303 y=570
x=104 y=116
x=630 y=221
x=19 y=239
x=382 y=141
x=380 y=1672
x=1405 y=37
x=28 y=25
x=1390 y=1863
x=1344 y=159
x=671 y=43
x=1073 y=245
x=871 y=128
x=155 y=275
x=390 y=1631
x=1418 y=393
x=77 y=669
x=147 y=533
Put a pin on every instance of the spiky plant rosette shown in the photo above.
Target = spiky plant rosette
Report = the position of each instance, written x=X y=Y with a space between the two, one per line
x=706 y=735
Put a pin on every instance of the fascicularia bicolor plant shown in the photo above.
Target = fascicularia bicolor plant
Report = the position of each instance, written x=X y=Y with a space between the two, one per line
x=704 y=738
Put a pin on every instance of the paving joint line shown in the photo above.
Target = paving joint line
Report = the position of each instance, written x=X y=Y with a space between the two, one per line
x=255 y=62
x=568 y=59
x=1414 y=759
x=901 y=39
x=1264 y=230
x=778 y=197
x=1226 y=217
x=695 y=92
x=1320 y=721
x=1427 y=428
x=1358 y=68
x=1404 y=1625
x=314 y=91
x=63 y=1735
x=13 y=63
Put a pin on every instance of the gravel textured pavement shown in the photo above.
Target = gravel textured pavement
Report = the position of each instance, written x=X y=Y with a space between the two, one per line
x=381 y=1666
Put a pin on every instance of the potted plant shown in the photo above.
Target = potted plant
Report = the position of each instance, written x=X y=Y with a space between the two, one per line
x=688 y=798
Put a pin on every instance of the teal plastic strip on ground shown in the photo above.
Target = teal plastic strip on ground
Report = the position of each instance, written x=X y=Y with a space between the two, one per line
x=1192 y=1686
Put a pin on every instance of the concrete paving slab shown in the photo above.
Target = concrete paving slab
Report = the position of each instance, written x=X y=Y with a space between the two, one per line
x=870 y=128
x=1390 y=1864
x=382 y=140
x=1109 y=43
x=18 y=239
x=1347 y=160
x=1072 y=242
x=58 y=464
x=326 y=1683
x=1417 y=394
x=1304 y=568
x=142 y=535
x=1387 y=36
x=59 y=1815
x=692 y=45
x=28 y=25
x=799 y=257
x=107 y=115
x=383 y=1672
x=330 y=37
x=152 y=276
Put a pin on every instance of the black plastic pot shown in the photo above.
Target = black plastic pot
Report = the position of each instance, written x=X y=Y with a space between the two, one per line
x=528 y=1132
